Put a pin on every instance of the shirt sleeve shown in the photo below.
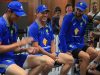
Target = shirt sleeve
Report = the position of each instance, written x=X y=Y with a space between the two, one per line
x=1 y=34
x=33 y=32
x=62 y=34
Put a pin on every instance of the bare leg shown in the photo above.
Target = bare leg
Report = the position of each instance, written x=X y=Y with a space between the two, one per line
x=36 y=71
x=46 y=70
x=15 y=70
x=67 y=61
x=85 y=59
x=93 y=53
x=48 y=67
x=36 y=63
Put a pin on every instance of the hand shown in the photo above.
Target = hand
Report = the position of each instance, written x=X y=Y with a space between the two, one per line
x=93 y=72
x=92 y=66
x=96 y=22
x=90 y=17
x=25 y=41
x=32 y=50
x=91 y=34
x=53 y=56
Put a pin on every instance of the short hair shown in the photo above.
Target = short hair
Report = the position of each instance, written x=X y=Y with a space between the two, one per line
x=57 y=9
x=67 y=5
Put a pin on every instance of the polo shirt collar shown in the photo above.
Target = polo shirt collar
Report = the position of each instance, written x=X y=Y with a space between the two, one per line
x=39 y=24
x=8 y=24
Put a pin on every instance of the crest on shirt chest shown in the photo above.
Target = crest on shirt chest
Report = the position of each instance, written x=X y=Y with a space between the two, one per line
x=76 y=31
x=45 y=41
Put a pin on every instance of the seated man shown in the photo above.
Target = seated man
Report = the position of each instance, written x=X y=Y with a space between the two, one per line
x=9 y=44
x=71 y=37
x=43 y=39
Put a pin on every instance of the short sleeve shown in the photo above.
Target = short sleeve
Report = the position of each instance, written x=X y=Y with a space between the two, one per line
x=33 y=32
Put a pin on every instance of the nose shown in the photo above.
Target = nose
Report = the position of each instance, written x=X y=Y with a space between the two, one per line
x=46 y=14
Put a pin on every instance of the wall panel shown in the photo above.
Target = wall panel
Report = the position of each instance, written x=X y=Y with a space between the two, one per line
x=53 y=3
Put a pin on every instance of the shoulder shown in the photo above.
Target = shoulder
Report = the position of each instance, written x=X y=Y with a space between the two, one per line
x=85 y=17
x=69 y=16
x=34 y=25
x=97 y=17
x=98 y=14
x=2 y=23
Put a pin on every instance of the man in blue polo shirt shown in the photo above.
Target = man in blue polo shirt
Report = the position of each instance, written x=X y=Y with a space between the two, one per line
x=44 y=40
x=8 y=44
x=72 y=37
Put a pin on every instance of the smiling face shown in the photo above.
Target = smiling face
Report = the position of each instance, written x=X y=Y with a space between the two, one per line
x=43 y=16
x=94 y=7
x=69 y=9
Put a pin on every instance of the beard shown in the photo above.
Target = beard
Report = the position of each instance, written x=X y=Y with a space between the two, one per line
x=78 y=14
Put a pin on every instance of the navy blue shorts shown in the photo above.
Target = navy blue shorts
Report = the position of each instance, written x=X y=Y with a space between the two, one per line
x=77 y=51
x=18 y=59
x=4 y=64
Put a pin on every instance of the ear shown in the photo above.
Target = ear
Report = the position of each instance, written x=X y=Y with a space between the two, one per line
x=9 y=10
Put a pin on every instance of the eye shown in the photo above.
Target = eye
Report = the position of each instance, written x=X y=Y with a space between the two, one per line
x=44 y=12
x=79 y=10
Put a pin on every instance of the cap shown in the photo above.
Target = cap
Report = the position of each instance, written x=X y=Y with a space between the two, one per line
x=17 y=8
x=41 y=8
x=81 y=5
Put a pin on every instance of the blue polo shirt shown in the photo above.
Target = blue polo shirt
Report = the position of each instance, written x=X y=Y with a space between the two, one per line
x=8 y=35
x=42 y=35
x=72 y=32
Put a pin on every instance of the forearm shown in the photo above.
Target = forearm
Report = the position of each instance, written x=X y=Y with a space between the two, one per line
x=53 y=47
x=17 y=50
x=41 y=50
x=7 y=48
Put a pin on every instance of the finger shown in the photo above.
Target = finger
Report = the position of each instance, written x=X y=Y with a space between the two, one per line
x=30 y=51
x=34 y=51
x=30 y=39
x=90 y=71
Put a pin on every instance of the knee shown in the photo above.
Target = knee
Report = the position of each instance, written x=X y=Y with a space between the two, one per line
x=50 y=63
x=70 y=61
x=85 y=57
x=23 y=73
x=47 y=62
